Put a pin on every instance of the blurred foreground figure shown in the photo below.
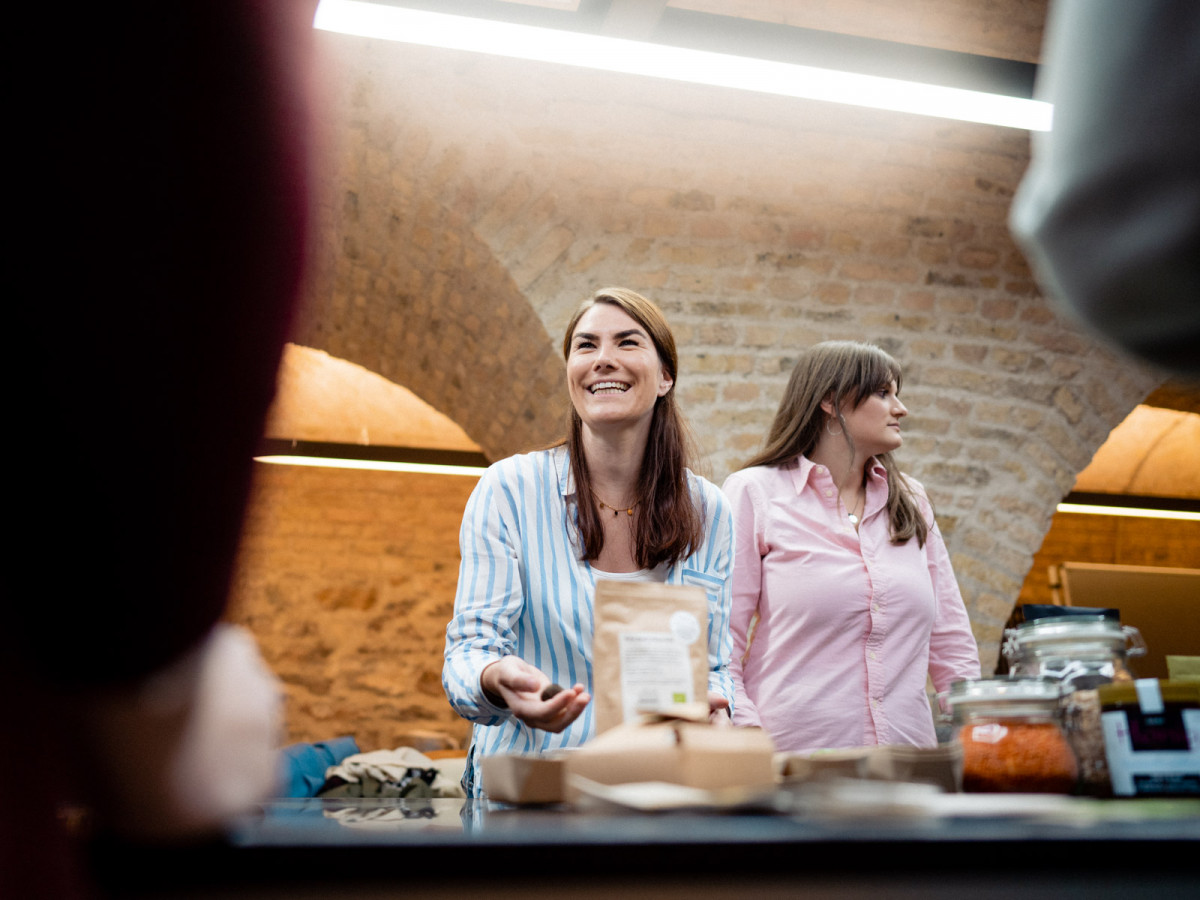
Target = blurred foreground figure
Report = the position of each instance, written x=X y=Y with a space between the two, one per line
x=178 y=145
x=1109 y=211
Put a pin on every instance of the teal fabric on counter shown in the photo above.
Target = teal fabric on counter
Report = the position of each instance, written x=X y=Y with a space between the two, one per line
x=303 y=765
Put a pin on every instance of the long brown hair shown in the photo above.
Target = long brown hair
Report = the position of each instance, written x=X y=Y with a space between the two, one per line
x=667 y=526
x=845 y=372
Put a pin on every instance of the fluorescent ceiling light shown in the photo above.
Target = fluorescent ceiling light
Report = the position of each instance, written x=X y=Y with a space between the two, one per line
x=1092 y=509
x=375 y=465
x=677 y=63
x=377 y=458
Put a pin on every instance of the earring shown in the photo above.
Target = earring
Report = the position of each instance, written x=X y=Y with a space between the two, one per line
x=829 y=430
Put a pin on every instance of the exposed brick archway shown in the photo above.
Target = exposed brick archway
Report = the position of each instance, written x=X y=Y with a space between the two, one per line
x=473 y=204
x=418 y=299
x=435 y=312
x=401 y=283
x=469 y=203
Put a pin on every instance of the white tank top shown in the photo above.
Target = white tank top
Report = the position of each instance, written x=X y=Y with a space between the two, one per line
x=658 y=573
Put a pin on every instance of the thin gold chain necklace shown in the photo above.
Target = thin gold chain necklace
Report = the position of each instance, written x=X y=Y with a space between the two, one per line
x=617 y=510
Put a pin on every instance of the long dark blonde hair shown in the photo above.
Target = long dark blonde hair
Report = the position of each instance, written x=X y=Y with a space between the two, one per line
x=667 y=525
x=844 y=372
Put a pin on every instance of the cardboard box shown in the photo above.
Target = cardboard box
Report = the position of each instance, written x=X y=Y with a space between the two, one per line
x=940 y=766
x=676 y=751
x=513 y=778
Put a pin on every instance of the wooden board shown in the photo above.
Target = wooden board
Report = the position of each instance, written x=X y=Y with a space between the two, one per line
x=1162 y=603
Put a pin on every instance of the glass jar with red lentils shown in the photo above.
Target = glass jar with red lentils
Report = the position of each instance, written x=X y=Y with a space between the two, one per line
x=1083 y=653
x=1011 y=732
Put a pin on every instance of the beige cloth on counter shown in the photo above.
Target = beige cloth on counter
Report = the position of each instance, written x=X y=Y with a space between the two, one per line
x=392 y=765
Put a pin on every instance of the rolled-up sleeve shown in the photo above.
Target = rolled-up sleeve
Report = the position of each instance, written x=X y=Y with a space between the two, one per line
x=488 y=602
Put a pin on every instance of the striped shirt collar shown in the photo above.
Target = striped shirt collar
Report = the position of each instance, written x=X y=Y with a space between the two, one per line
x=566 y=478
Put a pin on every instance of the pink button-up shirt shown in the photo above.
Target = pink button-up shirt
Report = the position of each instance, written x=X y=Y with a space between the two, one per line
x=849 y=624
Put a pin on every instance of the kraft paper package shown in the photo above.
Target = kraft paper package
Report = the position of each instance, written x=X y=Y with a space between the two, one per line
x=679 y=748
x=521 y=778
x=650 y=649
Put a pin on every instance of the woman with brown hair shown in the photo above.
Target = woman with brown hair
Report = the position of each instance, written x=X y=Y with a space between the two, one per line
x=843 y=594
x=614 y=500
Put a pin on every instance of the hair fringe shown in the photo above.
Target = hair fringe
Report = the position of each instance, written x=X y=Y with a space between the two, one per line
x=845 y=372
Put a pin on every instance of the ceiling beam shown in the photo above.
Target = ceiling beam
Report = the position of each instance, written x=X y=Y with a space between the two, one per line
x=634 y=20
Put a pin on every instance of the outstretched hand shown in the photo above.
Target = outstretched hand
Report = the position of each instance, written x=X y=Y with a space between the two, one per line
x=514 y=683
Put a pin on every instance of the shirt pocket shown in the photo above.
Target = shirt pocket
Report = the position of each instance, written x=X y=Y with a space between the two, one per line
x=711 y=583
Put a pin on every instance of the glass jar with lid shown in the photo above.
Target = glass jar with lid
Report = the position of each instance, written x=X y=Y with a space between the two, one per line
x=1081 y=653
x=1010 y=729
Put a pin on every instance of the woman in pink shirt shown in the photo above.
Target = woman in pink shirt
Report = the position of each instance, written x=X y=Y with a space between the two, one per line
x=843 y=594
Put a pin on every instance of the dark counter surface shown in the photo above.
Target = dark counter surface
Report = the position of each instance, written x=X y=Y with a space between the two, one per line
x=1017 y=847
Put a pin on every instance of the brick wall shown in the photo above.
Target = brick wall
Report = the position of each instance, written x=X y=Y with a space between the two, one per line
x=469 y=203
x=347 y=580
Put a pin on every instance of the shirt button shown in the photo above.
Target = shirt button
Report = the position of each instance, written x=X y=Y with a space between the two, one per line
x=874 y=607
x=828 y=492
x=875 y=704
x=872 y=654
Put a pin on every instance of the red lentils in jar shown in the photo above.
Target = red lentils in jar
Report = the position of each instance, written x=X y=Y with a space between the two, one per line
x=1028 y=757
x=1011 y=735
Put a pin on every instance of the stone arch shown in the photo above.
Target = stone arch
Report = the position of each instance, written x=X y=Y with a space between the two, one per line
x=403 y=287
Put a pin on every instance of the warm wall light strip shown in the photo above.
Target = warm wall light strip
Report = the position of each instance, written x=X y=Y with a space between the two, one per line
x=677 y=63
x=374 y=465
x=1089 y=509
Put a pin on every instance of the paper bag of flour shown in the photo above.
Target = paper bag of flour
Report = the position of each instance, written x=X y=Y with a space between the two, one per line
x=650 y=649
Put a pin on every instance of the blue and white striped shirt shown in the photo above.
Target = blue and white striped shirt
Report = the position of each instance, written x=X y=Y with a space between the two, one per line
x=523 y=590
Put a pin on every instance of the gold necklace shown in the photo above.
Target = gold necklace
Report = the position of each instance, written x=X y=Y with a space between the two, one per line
x=617 y=510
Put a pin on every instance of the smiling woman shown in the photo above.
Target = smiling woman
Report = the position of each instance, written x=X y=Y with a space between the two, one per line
x=614 y=373
x=634 y=367
x=537 y=535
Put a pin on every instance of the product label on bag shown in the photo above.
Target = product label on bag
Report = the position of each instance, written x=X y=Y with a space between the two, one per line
x=655 y=671
x=649 y=648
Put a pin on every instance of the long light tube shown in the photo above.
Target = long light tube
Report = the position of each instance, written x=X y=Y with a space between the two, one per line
x=476 y=471
x=1095 y=510
x=374 y=465
x=551 y=45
